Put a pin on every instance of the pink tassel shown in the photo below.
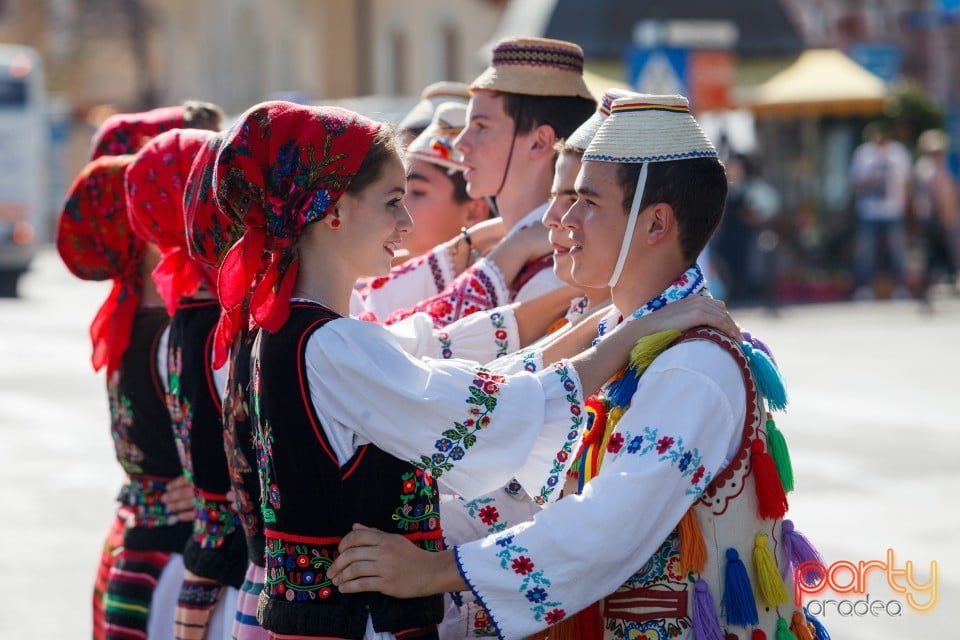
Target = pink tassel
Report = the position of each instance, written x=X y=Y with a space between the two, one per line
x=706 y=626
x=799 y=552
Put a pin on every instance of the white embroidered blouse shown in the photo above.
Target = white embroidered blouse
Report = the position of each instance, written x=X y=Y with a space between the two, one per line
x=681 y=429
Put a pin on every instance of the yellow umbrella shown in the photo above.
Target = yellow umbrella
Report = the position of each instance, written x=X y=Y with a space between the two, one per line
x=822 y=82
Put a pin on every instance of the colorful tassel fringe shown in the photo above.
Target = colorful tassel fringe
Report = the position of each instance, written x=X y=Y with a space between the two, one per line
x=758 y=634
x=783 y=631
x=818 y=628
x=706 y=626
x=693 y=550
x=769 y=581
x=799 y=553
x=767 y=376
x=771 y=499
x=738 y=602
x=780 y=454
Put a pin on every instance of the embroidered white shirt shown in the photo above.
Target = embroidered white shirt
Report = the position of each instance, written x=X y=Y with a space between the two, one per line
x=687 y=413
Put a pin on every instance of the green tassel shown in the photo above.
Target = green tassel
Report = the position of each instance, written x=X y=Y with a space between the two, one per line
x=783 y=631
x=780 y=453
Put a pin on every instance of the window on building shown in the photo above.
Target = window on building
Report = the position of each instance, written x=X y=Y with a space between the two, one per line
x=399 y=63
x=451 y=52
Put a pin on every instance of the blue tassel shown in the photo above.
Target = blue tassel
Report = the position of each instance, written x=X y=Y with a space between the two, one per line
x=822 y=633
x=739 y=606
x=620 y=392
x=767 y=376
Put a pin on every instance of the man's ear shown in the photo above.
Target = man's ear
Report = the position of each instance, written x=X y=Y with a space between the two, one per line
x=658 y=222
x=542 y=140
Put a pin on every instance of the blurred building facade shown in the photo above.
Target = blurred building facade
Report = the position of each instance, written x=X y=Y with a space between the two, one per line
x=136 y=54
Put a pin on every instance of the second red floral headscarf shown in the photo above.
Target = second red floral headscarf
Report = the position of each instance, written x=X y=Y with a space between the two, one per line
x=95 y=241
x=281 y=167
x=125 y=133
x=155 y=183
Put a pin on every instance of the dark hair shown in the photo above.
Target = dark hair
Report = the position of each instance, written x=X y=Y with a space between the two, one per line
x=384 y=147
x=202 y=115
x=563 y=113
x=696 y=189
x=562 y=146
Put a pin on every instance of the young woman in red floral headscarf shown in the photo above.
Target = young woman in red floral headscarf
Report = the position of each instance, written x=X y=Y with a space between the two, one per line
x=95 y=242
x=349 y=427
x=210 y=232
x=215 y=554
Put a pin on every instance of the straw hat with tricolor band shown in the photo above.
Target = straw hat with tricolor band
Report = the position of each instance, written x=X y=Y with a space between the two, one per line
x=536 y=67
x=581 y=138
x=430 y=98
x=641 y=129
x=435 y=144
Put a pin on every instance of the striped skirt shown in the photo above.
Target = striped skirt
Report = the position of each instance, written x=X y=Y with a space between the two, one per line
x=245 y=626
x=111 y=547
x=130 y=588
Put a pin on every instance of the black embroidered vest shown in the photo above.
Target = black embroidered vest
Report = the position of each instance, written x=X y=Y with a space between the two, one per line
x=140 y=425
x=310 y=501
x=241 y=454
x=217 y=549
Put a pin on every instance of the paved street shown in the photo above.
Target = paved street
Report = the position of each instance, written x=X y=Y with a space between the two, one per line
x=873 y=431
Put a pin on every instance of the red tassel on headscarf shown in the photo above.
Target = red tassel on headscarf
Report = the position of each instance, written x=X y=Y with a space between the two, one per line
x=111 y=327
x=265 y=303
x=175 y=277
x=228 y=326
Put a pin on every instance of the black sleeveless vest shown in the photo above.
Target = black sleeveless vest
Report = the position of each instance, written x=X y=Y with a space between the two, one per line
x=140 y=425
x=241 y=454
x=217 y=549
x=310 y=502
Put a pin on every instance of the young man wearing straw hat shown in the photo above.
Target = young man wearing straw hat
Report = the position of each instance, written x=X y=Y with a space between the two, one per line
x=677 y=443
x=419 y=117
x=531 y=95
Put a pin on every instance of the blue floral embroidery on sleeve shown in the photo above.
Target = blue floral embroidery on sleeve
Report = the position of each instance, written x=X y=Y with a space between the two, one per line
x=559 y=467
x=670 y=449
x=534 y=585
x=484 y=391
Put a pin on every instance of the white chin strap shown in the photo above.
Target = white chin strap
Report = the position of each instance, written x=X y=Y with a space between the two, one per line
x=631 y=224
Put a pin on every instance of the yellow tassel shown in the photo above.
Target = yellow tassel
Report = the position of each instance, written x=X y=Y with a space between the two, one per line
x=693 y=550
x=649 y=347
x=769 y=581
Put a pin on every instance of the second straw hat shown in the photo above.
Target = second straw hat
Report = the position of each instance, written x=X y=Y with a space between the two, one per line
x=435 y=144
x=535 y=67
x=580 y=139
x=430 y=98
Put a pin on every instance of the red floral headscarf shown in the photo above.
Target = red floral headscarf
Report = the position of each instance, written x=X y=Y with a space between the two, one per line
x=209 y=231
x=155 y=186
x=281 y=167
x=125 y=133
x=96 y=243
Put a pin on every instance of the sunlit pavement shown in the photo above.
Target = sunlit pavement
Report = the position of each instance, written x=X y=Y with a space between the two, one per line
x=872 y=427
